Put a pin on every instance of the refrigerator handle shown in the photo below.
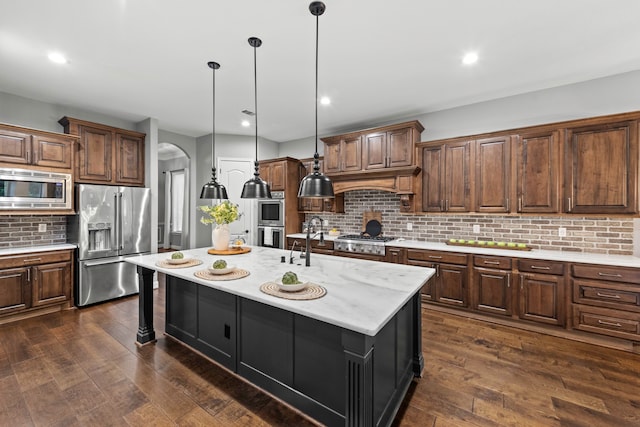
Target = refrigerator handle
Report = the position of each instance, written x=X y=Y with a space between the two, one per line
x=117 y=217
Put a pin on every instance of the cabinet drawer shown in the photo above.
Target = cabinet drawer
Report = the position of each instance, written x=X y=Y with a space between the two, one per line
x=541 y=267
x=492 y=262
x=604 y=321
x=603 y=294
x=612 y=274
x=34 y=258
x=436 y=256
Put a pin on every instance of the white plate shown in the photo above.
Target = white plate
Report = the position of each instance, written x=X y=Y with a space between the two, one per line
x=178 y=261
x=291 y=288
x=227 y=270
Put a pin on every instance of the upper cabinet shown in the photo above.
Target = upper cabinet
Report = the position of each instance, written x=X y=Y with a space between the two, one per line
x=371 y=150
x=492 y=174
x=536 y=164
x=382 y=158
x=446 y=183
x=273 y=173
x=343 y=154
x=519 y=171
x=601 y=168
x=389 y=149
x=33 y=147
x=107 y=155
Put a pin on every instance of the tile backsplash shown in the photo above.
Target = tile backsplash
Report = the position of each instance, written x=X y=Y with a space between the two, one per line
x=19 y=230
x=601 y=235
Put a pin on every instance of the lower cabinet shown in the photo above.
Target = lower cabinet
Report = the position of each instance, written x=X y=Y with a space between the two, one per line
x=450 y=284
x=606 y=300
x=35 y=280
x=542 y=293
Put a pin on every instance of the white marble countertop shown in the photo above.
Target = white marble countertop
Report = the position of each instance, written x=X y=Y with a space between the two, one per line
x=564 y=256
x=303 y=236
x=582 y=257
x=361 y=295
x=32 y=249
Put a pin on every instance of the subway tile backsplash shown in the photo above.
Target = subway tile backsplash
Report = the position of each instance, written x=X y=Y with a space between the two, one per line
x=20 y=231
x=601 y=235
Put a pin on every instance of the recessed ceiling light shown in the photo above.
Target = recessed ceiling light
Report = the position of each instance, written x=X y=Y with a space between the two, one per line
x=325 y=100
x=57 y=57
x=245 y=123
x=470 y=58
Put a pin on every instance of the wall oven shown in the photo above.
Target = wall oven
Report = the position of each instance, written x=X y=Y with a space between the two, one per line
x=271 y=237
x=24 y=189
x=271 y=211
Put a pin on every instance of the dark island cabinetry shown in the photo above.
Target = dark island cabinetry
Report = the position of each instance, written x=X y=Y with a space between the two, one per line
x=328 y=372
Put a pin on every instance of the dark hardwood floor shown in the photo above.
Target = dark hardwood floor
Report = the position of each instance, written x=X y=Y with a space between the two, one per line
x=82 y=367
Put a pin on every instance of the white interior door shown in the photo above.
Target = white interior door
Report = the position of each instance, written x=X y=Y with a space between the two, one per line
x=233 y=173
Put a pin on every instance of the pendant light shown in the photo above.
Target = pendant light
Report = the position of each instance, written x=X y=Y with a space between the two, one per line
x=212 y=189
x=256 y=188
x=316 y=184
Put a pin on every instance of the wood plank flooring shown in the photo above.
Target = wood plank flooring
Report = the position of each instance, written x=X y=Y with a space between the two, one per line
x=82 y=368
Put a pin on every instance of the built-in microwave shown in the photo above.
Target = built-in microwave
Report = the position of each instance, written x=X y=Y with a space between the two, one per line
x=25 y=189
x=271 y=211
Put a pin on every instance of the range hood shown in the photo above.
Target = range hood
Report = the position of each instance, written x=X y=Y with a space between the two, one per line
x=399 y=180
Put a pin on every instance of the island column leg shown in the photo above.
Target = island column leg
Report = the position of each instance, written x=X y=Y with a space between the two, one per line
x=418 y=358
x=146 y=333
x=358 y=351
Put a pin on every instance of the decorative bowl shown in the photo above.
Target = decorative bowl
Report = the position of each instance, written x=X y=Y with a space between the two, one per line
x=177 y=261
x=226 y=270
x=291 y=288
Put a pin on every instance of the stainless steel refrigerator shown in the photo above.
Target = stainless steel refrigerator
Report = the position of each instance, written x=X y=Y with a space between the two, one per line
x=111 y=223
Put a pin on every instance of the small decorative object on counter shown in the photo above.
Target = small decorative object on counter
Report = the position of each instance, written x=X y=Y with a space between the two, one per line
x=221 y=214
x=488 y=244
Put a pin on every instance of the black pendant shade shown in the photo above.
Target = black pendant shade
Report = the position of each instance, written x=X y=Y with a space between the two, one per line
x=256 y=187
x=212 y=189
x=316 y=184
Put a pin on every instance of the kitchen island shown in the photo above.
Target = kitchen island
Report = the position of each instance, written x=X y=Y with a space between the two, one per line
x=346 y=358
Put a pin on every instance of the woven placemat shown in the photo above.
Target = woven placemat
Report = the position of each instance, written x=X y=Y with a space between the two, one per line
x=238 y=273
x=312 y=291
x=190 y=263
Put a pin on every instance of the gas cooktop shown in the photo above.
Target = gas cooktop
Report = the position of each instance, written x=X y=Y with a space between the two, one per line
x=365 y=237
x=362 y=244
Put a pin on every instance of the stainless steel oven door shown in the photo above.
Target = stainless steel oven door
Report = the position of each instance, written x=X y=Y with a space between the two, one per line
x=24 y=189
x=271 y=237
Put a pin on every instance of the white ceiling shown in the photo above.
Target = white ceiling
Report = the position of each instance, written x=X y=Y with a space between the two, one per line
x=380 y=60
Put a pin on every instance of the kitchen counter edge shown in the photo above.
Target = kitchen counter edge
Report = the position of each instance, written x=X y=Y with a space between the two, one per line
x=33 y=249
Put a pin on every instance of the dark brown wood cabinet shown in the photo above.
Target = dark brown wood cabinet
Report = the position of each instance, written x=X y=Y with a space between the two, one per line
x=601 y=168
x=343 y=154
x=536 y=164
x=35 y=148
x=493 y=174
x=33 y=281
x=274 y=174
x=491 y=285
x=446 y=177
x=606 y=300
x=15 y=290
x=542 y=291
x=450 y=284
x=107 y=155
x=389 y=149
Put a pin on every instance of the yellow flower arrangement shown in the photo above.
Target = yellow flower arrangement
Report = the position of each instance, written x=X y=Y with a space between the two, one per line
x=222 y=213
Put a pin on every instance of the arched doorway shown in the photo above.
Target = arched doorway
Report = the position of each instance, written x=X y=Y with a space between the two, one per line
x=173 y=197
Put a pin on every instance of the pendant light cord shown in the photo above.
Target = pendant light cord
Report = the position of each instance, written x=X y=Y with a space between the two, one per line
x=316 y=162
x=213 y=120
x=255 y=100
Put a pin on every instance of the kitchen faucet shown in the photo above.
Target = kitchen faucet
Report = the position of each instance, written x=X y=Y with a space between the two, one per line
x=307 y=258
x=295 y=242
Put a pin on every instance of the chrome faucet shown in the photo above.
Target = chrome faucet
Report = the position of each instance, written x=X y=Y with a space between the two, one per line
x=307 y=258
x=295 y=242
